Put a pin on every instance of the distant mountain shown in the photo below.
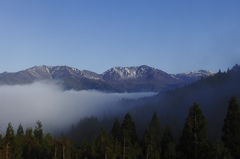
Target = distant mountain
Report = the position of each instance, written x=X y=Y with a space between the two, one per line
x=58 y=72
x=194 y=75
x=211 y=93
x=137 y=74
x=117 y=79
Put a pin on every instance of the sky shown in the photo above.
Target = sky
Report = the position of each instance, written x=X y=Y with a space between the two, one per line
x=173 y=36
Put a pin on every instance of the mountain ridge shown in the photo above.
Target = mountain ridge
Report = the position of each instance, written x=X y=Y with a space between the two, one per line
x=117 y=78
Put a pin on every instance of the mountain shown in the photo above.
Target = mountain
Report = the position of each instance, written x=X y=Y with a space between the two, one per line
x=194 y=75
x=211 y=93
x=137 y=74
x=58 y=72
x=117 y=79
x=145 y=74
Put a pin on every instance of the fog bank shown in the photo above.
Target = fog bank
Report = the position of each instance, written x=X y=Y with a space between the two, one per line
x=54 y=107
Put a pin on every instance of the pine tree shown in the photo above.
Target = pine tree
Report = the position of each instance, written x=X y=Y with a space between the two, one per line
x=38 y=134
x=231 y=128
x=9 y=141
x=167 y=144
x=115 y=132
x=56 y=148
x=115 y=138
x=103 y=145
x=66 y=146
x=128 y=136
x=152 y=139
x=29 y=143
x=193 y=142
x=48 y=147
x=19 y=142
x=20 y=131
x=218 y=150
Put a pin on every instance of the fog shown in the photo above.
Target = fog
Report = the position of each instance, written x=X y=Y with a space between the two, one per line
x=54 y=107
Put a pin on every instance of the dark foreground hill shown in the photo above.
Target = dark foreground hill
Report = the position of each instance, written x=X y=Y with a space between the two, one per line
x=210 y=93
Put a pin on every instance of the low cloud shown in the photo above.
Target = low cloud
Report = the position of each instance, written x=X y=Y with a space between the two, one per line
x=54 y=107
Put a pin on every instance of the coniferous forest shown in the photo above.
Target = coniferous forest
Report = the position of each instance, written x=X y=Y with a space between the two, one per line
x=123 y=141
x=199 y=120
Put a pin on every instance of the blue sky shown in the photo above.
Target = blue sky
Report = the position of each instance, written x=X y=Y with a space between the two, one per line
x=174 y=36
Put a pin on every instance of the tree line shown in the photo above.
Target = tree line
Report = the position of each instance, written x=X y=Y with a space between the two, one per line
x=123 y=143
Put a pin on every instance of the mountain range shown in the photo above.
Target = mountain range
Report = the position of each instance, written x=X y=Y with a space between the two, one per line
x=116 y=79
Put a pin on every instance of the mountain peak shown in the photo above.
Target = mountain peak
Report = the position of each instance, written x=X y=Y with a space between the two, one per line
x=135 y=78
x=197 y=73
x=142 y=72
x=55 y=72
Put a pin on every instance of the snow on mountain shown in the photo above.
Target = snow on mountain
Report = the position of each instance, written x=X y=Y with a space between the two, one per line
x=121 y=73
x=137 y=78
x=40 y=72
x=115 y=74
x=53 y=72
x=193 y=75
x=146 y=73
x=131 y=73
x=198 y=73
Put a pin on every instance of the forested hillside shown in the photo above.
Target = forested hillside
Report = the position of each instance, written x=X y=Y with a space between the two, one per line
x=211 y=93
x=199 y=120
x=123 y=141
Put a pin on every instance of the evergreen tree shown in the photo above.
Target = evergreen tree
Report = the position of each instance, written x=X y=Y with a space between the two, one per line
x=38 y=134
x=19 y=142
x=56 y=148
x=128 y=136
x=29 y=143
x=9 y=140
x=20 y=131
x=66 y=147
x=193 y=142
x=103 y=145
x=167 y=144
x=152 y=139
x=48 y=148
x=115 y=138
x=115 y=132
x=170 y=152
x=231 y=128
x=218 y=150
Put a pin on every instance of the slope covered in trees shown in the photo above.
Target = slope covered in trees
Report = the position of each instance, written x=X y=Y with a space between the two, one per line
x=123 y=142
x=211 y=93
x=231 y=128
x=130 y=135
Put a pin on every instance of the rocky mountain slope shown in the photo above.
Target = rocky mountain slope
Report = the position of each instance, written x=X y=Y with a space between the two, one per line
x=117 y=79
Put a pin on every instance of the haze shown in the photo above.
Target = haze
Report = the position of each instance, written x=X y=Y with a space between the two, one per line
x=55 y=108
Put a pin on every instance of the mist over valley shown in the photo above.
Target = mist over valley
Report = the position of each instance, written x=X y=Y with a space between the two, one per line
x=119 y=79
x=55 y=107
x=58 y=108
x=85 y=117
